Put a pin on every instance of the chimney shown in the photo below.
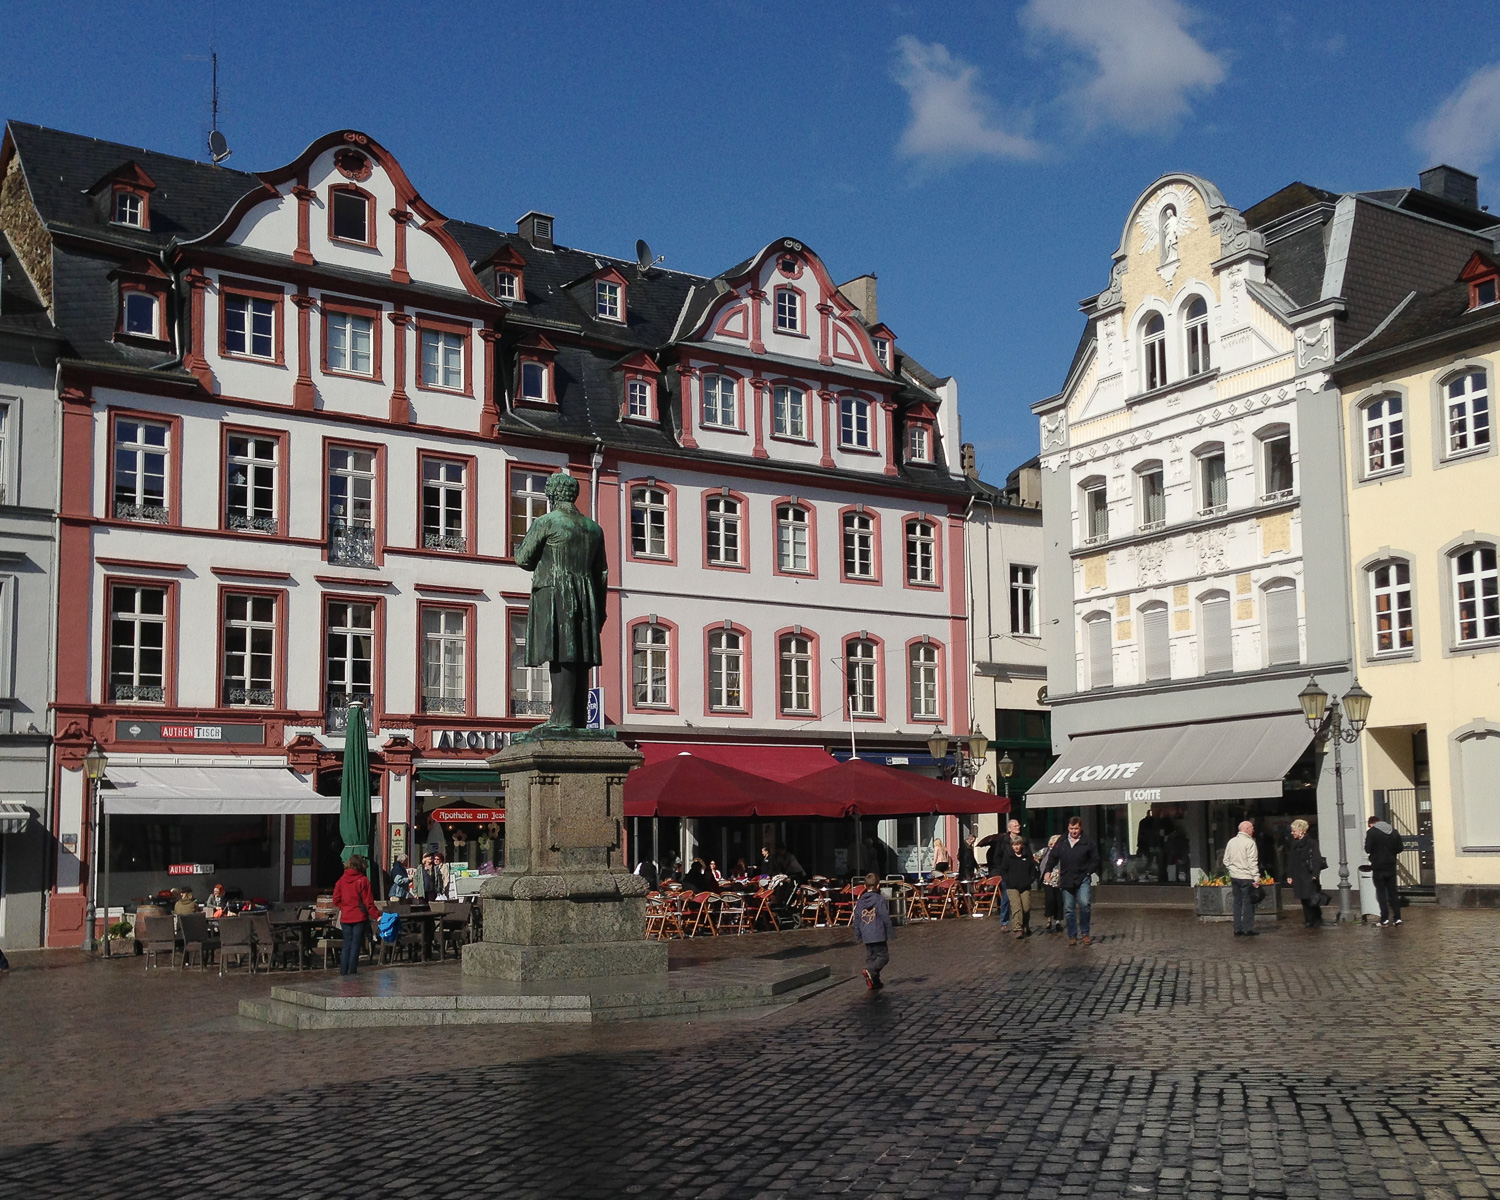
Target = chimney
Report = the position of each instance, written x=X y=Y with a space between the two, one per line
x=967 y=461
x=536 y=228
x=860 y=292
x=1451 y=184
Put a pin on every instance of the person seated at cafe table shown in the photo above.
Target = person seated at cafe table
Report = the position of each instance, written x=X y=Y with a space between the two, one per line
x=699 y=878
x=216 y=905
x=186 y=906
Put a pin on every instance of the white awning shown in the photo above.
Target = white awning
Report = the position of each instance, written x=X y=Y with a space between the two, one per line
x=210 y=791
x=14 y=816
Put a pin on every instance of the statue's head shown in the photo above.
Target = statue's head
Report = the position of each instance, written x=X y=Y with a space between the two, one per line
x=562 y=488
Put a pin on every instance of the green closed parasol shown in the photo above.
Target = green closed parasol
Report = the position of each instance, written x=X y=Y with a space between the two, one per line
x=356 y=826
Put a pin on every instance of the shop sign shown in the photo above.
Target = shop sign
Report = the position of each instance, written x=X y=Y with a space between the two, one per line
x=596 y=708
x=398 y=840
x=165 y=731
x=1141 y=795
x=897 y=760
x=490 y=740
x=190 y=869
x=1123 y=770
x=481 y=816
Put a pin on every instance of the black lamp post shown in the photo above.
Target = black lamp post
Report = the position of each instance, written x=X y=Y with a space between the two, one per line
x=968 y=760
x=1007 y=769
x=95 y=763
x=1325 y=716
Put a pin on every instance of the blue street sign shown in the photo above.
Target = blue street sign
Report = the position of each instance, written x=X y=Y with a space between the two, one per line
x=596 y=708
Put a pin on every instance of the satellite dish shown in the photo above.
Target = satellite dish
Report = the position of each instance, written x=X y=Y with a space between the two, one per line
x=642 y=254
x=218 y=147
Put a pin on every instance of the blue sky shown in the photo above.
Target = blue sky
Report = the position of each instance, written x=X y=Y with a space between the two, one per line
x=978 y=159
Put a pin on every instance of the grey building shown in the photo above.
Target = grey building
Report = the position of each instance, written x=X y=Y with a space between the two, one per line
x=29 y=348
x=1195 y=569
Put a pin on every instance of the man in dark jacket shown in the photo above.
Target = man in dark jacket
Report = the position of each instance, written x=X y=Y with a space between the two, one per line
x=1077 y=859
x=1382 y=845
x=872 y=927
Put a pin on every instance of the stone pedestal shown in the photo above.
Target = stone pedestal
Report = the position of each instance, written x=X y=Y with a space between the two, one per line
x=565 y=907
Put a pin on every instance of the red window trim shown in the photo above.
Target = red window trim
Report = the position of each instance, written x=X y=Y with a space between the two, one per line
x=931 y=441
x=744 y=541
x=907 y=521
x=536 y=468
x=543 y=359
x=880 y=681
x=230 y=286
x=471 y=508
x=674 y=667
x=801 y=330
x=169 y=640
x=655 y=560
x=283 y=466
x=815 y=678
x=377 y=501
x=369 y=200
x=173 y=421
x=747 y=676
x=809 y=411
x=426 y=321
x=610 y=275
x=739 y=399
x=942 y=680
x=377 y=669
x=879 y=550
x=279 y=655
x=357 y=308
x=873 y=450
x=471 y=626
x=653 y=416
x=131 y=190
x=158 y=291
x=812 y=537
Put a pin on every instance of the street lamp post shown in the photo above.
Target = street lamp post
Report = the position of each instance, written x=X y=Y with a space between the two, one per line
x=1326 y=716
x=95 y=763
x=1007 y=769
x=969 y=758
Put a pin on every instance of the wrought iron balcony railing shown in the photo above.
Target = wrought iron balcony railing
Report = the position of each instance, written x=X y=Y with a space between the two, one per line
x=351 y=545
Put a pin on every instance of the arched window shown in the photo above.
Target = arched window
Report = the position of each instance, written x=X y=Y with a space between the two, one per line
x=1099 y=649
x=1151 y=496
x=648 y=522
x=1095 y=509
x=793 y=523
x=139 y=315
x=1390 y=606
x=726 y=670
x=1282 y=643
x=1156 y=658
x=1215 y=649
x=1277 y=481
x=921 y=556
x=859 y=545
x=1385 y=435
x=1195 y=331
x=722 y=528
x=1467 y=413
x=795 y=673
x=860 y=677
x=719 y=401
x=1213 y=483
x=1476 y=594
x=651 y=648
x=1154 y=352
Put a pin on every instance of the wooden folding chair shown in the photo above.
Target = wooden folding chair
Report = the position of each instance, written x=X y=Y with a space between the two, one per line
x=843 y=905
x=733 y=915
x=916 y=903
x=704 y=912
x=812 y=907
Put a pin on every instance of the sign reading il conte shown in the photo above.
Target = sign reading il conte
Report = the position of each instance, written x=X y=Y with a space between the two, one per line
x=1096 y=771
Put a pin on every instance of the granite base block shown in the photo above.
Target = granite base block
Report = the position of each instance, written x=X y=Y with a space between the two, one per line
x=503 y=960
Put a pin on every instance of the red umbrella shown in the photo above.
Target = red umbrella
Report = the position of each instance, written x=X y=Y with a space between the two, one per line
x=688 y=786
x=873 y=790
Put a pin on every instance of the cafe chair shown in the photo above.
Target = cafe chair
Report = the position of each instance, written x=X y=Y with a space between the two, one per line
x=705 y=906
x=843 y=905
x=196 y=939
x=236 y=941
x=812 y=907
x=733 y=915
x=986 y=895
x=157 y=936
x=454 y=931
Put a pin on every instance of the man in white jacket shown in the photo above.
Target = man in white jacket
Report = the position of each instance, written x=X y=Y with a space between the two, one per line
x=1243 y=861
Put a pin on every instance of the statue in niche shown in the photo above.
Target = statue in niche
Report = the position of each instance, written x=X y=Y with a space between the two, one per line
x=1169 y=225
x=564 y=551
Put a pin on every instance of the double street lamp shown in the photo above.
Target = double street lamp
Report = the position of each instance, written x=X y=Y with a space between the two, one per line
x=1325 y=716
x=966 y=762
x=95 y=763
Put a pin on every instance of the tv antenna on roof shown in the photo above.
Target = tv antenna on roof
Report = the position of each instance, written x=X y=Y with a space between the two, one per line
x=218 y=146
x=643 y=260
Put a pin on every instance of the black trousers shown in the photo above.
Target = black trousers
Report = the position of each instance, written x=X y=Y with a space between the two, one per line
x=1387 y=894
x=877 y=956
x=1312 y=912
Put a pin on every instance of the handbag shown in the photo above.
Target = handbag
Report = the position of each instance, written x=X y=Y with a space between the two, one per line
x=1257 y=894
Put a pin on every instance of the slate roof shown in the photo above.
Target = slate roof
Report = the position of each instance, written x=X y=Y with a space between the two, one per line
x=21 y=309
x=1427 y=318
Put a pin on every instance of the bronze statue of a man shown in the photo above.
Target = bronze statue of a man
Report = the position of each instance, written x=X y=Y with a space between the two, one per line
x=564 y=550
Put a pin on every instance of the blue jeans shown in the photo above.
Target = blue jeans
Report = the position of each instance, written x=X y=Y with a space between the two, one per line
x=354 y=937
x=1244 y=907
x=1004 y=905
x=1076 y=908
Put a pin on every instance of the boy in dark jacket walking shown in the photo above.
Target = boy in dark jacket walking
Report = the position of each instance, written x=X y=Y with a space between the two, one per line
x=872 y=926
x=1383 y=846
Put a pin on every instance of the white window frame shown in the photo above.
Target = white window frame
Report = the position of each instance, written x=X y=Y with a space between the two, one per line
x=445 y=485
x=1203 y=481
x=258 y=511
x=726 y=671
x=649 y=508
x=1266 y=440
x=1483 y=598
x=528 y=501
x=1391 y=604
x=854 y=423
x=608 y=300
x=443 y=368
x=530 y=691
x=1095 y=511
x=720 y=407
x=788 y=310
x=348 y=663
x=351 y=485
x=505 y=285
x=794 y=674
x=1023 y=598
x=793 y=538
x=143 y=502
x=918 y=443
x=1384 y=421
x=651 y=665
x=249 y=637
x=921 y=552
x=445 y=660
x=1151 y=502
x=533 y=382
x=242 y=316
x=1195 y=337
x=1466 y=414
x=1153 y=352
x=861 y=677
x=345 y=332
x=135 y=299
x=128 y=209
x=789 y=412
x=883 y=351
x=722 y=516
x=859 y=545
x=638 y=399
x=923 y=683
x=142 y=686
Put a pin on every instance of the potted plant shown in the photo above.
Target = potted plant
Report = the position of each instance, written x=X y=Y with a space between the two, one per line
x=1213 y=897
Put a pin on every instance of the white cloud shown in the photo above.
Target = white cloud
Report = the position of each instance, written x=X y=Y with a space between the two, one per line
x=950 y=119
x=1465 y=130
x=1145 y=62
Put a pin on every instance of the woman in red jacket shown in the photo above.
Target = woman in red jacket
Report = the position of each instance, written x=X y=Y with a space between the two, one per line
x=355 y=903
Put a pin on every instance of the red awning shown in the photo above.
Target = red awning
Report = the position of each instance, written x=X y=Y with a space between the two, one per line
x=871 y=789
x=780 y=763
x=686 y=785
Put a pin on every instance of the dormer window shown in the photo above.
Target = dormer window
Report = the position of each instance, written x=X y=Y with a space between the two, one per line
x=349 y=216
x=918 y=443
x=788 y=310
x=139 y=314
x=534 y=382
x=883 y=351
x=1484 y=292
x=130 y=209
x=638 y=404
x=607 y=300
x=505 y=286
x=1482 y=274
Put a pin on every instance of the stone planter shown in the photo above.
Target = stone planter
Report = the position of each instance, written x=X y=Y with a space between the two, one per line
x=1217 y=903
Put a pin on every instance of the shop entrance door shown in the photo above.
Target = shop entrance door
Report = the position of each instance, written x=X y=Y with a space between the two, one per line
x=1409 y=810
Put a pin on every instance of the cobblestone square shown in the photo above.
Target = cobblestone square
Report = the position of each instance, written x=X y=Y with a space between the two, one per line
x=1169 y=1059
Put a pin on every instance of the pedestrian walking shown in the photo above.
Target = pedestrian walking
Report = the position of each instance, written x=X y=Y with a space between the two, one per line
x=968 y=863
x=356 y=904
x=940 y=861
x=1077 y=865
x=1018 y=874
x=872 y=928
x=1382 y=846
x=1306 y=863
x=1242 y=858
x=1052 y=901
x=1012 y=827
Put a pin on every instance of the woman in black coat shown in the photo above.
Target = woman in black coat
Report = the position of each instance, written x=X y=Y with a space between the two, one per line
x=1017 y=871
x=1305 y=861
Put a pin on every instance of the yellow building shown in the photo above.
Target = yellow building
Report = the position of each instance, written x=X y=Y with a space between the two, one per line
x=1423 y=488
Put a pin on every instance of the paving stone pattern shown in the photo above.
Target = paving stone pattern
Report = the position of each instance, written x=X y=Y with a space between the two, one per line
x=1169 y=1059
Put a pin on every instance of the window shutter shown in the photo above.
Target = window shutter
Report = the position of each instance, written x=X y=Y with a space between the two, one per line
x=1101 y=664
x=1217 y=653
x=1281 y=625
x=1154 y=631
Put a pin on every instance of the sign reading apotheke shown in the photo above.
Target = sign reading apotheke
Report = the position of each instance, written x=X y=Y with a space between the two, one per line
x=166 y=731
x=470 y=739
